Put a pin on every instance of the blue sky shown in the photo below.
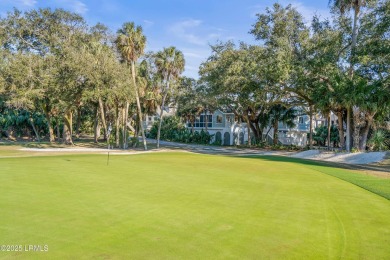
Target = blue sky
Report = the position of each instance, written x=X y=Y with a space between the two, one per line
x=190 y=25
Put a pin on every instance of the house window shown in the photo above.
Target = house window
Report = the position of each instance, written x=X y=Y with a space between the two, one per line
x=150 y=118
x=201 y=121
x=301 y=120
x=219 y=119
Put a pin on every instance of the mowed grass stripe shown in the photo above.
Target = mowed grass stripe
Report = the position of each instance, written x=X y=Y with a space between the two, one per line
x=377 y=185
x=181 y=205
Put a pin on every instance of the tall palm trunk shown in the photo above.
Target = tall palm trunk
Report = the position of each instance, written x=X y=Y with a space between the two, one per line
x=123 y=127
x=117 y=124
x=353 y=46
x=341 y=128
x=365 y=130
x=329 y=128
x=103 y=117
x=138 y=106
x=161 y=117
x=126 y=121
x=348 y=136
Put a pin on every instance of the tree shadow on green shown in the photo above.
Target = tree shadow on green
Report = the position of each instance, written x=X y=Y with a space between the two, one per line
x=377 y=185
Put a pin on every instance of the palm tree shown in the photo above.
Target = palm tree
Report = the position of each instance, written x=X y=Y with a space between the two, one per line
x=345 y=6
x=131 y=44
x=170 y=64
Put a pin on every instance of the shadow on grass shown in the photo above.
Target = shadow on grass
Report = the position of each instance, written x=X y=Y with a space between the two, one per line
x=379 y=185
x=85 y=143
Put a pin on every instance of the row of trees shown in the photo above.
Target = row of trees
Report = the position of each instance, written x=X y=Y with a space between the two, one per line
x=54 y=68
x=340 y=66
x=57 y=74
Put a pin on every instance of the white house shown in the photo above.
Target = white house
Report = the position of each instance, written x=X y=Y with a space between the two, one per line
x=222 y=126
x=150 y=119
x=227 y=131
x=225 y=128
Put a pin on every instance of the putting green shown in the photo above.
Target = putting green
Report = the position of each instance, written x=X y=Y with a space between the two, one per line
x=186 y=206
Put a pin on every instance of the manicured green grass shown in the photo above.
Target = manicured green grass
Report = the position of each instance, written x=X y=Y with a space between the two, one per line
x=380 y=186
x=187 y=206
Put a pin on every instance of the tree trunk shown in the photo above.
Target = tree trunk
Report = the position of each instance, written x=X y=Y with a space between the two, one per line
x=49 y=126
x=138 y=106
x=117 y=125
x=96 y=128
x=10 y=133
x=329 y=128
x=192 y=125
x=257 y=131
x=51 y=132
x=341 y=128
x=161 y=117
x=67 y=133
x=354 y=36
x=276 y=137
x=78 y=122
x=364 y=132
x=364 y=135
x=58 y=130
x=357 y=124
x=249 y=131
x=351 y=73
x=136 y=133
x=103 y=118
x=126 y=118
x=123 y=127
x=35 y=129
x=311 y=127
x=348 y=136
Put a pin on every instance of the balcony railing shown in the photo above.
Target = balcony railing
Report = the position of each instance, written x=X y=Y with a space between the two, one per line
x=298 y=127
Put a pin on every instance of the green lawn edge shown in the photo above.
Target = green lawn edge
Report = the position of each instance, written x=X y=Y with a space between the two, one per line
x=376 y=185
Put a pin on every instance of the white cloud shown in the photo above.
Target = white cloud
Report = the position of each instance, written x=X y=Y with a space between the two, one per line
x=194 y=57
x=79 y=7
x=26 y=3
x=194 y=38
x=196 y=32
x=73 y=5
x=308 y=12
x=148 y=23
x=185 y=31
x=214 y=35
x=305 y=10
x=256 y=9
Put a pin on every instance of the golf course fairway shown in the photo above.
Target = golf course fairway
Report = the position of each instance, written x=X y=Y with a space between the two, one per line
x=187 y=206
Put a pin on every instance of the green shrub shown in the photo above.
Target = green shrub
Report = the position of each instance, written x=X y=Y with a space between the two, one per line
x=320 y=135
x=173 y=130
x=379 y=141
